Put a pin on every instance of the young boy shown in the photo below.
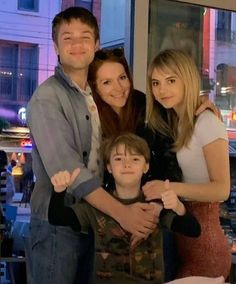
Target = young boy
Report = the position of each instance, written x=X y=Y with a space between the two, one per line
x=127 y=159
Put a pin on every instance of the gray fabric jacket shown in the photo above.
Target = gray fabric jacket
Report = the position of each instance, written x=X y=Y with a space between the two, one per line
x=61 y=130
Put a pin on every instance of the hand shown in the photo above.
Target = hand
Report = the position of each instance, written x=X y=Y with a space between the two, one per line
x=154 y=189
x=171 y=201
x=207 y=104
x=135 y=241
x=157 y=207
x=64 y=179
x=138 y=219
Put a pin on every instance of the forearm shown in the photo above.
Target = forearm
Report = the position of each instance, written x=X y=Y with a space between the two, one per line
x=104 y=202
x=208 y=192
x=186 y=225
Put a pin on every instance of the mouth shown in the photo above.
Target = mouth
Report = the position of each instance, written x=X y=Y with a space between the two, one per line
x=118 y=96
x=77 y=53
x=165 y=98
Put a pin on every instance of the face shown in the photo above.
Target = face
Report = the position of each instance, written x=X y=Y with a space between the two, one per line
x=75 y=45
x=167 y=89
x=127 y=168
x=113 y=85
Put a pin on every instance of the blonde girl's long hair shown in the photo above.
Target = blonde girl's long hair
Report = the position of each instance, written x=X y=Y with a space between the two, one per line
x=181 y=127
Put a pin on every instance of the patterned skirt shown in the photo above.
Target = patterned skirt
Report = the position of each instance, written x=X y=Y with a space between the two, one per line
x=208 y=255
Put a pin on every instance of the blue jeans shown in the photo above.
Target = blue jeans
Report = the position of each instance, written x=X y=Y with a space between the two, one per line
x=59 y=255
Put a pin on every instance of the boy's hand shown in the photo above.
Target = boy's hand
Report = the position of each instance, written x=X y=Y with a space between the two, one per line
x=64 y=179
x=171 y=201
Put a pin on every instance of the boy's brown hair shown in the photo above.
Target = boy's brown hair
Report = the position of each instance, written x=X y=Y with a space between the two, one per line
x=84 y=15
x=132 y=142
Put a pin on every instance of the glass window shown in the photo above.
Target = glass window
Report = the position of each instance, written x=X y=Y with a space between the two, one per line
x=223 y=30
x=8 y=55
x=28 y=5
x=209 y=36
x=18 y=75
x=85 y=3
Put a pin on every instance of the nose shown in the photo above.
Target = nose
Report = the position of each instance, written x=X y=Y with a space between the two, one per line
x=126 y=163
x=77 y=41
x=162 y=88
x=118 y=86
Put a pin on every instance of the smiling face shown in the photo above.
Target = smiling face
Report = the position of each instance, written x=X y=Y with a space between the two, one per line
x=75 y=45
x=168 y=89
x=127 y=167
x=113 y=85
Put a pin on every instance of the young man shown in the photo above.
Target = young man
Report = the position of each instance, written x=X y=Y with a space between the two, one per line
x=127 y=159
x=65 y=130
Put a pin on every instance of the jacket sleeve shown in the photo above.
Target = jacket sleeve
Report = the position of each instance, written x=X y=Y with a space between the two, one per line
x=186 y=225
x=53 y=137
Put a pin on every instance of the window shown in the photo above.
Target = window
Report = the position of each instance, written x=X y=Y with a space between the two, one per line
x=223 y=31
x=18 y=72
x=28 y=5
x=88 y=4
x=7 y=70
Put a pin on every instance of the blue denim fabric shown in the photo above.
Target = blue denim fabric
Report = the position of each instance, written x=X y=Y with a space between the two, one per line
x=59 y=255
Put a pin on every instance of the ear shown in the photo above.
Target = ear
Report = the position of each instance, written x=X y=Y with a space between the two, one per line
x=109 y=168
x=97 y=45
x=56 y=48
x=146 y=168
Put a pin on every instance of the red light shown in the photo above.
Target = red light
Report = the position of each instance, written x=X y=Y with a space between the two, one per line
x=26 y=143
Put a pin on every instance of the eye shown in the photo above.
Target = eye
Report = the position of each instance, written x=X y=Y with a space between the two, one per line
x=86 y=37
x=136 y=159
x=172 y=81
x=123 y=77
x=155 y=83
x=117 y=159
x=106 y=82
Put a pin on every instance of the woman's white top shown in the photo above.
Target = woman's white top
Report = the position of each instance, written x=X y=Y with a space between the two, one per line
x=208 y=128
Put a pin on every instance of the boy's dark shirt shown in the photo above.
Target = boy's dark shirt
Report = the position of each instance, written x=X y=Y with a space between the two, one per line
x=118 y=246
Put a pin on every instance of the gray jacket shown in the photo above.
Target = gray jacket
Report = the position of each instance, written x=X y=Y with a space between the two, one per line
x=61 y=131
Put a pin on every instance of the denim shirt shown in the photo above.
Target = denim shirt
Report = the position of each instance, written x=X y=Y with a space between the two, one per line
x=60 y=126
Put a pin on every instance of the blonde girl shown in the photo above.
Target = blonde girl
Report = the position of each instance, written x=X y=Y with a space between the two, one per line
x=201 y=146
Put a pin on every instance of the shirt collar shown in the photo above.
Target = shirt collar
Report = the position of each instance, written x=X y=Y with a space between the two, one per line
x=59 y=70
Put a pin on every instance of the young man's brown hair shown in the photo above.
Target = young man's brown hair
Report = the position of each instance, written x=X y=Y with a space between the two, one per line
x=71 y=13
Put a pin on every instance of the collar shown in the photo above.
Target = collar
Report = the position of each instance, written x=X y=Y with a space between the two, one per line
x=59 y=72
x=139 y=198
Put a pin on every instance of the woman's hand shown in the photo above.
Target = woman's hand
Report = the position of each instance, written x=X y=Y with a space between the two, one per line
x=207 y=104
x=154 y=189
x=64 y=179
